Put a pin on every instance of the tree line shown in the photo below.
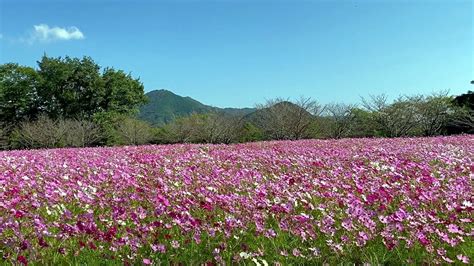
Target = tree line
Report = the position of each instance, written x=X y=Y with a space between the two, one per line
x=73 y=102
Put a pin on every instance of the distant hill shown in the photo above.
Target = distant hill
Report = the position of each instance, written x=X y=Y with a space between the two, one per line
x=164 y=106
x=259 y=116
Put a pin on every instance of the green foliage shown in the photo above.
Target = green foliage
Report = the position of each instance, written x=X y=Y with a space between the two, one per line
x=363 y=124
x=70 y=87
x=77 y=94
x=465 y=100
x=18 y=93
x=251 y=133
x=73 y=87
x=66 y=88
x=107 y=122
x=123 y=93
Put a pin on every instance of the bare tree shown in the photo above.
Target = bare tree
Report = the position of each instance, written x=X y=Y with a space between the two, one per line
x=376 y=103
x=185 y=129
x=41 y=133
x=397 y=119
x=134 y=132
x=205 y=128
x=221 y=128
x=81 y=133
x=283 y=119
x=434 y=113
x=341 y=119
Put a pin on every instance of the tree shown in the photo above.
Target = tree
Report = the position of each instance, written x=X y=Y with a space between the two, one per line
x=283 y=119
x=185 y=129
x=434 y=113
x=465 y=100
x=70 y=87
x=134 y=132
x=397 y=119
x=75 y=88
x=221 y=128
x=342 y=117
x=81 y=133
x=18 y=93
x=249 y=132
x=41 y=133
x=462 y=120
x=363 y=124
x=123 y=93
x=4 y=142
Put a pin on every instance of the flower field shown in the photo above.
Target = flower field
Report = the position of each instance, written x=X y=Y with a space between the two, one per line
x=375 y=201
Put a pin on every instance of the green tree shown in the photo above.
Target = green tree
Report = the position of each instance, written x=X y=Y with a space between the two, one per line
x=70 y=87
x=462 y=121
x=363 y=124
x=18 y=93
x=76 y=88
x=249 y=132
x=123 y=93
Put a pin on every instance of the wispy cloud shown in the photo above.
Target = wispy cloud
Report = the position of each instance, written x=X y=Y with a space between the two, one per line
x=45 y=33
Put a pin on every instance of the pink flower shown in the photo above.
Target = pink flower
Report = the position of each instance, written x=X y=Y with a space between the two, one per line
x=454 y=229
x=158 y=248
x=21 y=259
x=296 y=252
x=175 y=244
x=163 y=200
x=462 y=258
x=447 y=259
x=146 y=261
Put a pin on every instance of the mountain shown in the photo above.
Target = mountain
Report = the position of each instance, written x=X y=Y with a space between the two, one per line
x=286 y=108
x=163 y=106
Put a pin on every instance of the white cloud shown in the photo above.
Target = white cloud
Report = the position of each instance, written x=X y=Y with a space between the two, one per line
x=44 y=33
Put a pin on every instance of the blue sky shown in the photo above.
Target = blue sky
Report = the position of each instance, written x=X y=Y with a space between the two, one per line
x=238 y=53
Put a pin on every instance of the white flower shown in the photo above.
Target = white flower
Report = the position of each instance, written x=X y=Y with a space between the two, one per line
x=244 y=255
x=467 y=203
x=256 y=261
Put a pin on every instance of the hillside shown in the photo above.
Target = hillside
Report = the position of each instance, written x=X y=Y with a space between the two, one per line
x=163 y=106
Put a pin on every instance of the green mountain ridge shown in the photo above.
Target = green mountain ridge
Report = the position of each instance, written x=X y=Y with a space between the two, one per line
x=164 y=106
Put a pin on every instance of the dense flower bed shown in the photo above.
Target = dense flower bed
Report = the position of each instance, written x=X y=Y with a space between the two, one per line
x=359 y=200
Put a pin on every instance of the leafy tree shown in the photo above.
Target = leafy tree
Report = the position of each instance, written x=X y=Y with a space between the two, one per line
x=70 y=87
x=18 y=93
x=76 y=88
x=462 y=119
x=249 y=132
x=122 y=93
x=465 y=100
x=363 y=124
